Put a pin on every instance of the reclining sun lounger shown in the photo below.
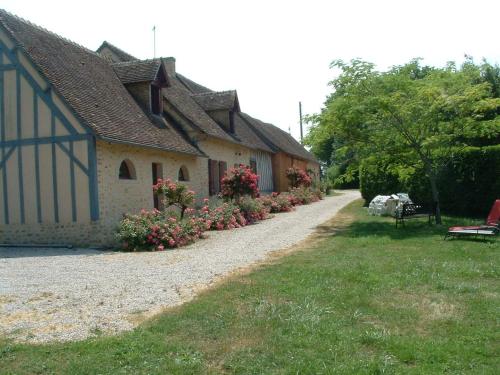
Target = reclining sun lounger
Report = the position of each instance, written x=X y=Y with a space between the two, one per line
x=490 y=229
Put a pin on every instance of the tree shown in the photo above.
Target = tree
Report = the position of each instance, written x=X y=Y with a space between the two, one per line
x=413 y=116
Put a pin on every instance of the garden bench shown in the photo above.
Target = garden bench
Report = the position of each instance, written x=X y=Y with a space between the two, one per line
x=413 y=211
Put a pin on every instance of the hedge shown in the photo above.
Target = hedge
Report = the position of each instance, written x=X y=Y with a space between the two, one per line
x=468 y=185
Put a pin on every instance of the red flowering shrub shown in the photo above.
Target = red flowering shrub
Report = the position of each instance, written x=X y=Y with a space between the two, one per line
x=277 y=202
x=155 y=230
x=301 y=195
x=174 y=194
x=253 y=209
x=225 y=216
x=298 y=177
x=317 y=195
x=239 y=182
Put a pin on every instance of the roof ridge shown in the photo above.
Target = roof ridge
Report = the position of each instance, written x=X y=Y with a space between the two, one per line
x=134 y=62
x=215 y=93
x=43 y=29
x=106 y=43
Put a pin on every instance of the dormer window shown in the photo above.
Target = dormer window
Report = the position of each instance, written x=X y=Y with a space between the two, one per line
x=231 y=121
x=156 y=100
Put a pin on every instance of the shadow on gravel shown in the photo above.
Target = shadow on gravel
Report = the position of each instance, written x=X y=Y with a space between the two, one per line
x=34 y=252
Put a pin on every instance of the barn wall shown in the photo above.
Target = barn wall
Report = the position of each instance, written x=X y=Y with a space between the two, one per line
x=264 y=170
x=281 y=162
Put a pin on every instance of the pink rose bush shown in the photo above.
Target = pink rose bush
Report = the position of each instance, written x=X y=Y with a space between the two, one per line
x=277 y=202
x=298 y=177
x=239 y=182
x=174 y=194
x=253 y=209
x=225 y=216
x=155 y=231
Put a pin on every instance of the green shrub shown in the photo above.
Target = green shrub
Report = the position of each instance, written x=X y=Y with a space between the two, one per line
x=468 y=184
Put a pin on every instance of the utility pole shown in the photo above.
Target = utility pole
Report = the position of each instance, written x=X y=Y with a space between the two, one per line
x=301 y=131
x=154 y=41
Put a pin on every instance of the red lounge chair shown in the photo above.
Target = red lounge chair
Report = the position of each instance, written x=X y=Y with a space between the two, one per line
x=491 y=228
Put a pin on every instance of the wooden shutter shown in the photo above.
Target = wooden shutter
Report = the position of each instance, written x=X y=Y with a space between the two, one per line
x=213 y=177
x=222 y=169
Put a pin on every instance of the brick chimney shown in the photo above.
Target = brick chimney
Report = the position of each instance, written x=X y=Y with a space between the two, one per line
x=169 y=63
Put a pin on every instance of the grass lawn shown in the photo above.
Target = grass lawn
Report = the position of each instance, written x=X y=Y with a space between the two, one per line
x=370 y=299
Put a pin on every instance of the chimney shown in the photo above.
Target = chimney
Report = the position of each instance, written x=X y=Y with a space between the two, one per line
x=169 y=63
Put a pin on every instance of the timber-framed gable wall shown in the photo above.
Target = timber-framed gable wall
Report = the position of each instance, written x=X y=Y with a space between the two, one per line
x=48 y=169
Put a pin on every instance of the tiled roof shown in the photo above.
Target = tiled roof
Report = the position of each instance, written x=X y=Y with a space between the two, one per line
x=91 y=88
x=247 y=136
x=137 y=70
x=179 y=97
x=192 y=86
x=122 y=55
x=217 y=100
x=278 y=139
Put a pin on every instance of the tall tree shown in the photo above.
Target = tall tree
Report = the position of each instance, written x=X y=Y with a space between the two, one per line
x=413 y=115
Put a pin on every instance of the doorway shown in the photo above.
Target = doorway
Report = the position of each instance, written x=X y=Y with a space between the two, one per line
x=157 y=172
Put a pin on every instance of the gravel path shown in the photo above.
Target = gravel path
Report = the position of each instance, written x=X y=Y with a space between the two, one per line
x=61 y=294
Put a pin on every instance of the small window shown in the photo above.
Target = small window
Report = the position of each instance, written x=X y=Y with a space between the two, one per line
x=156 y=100
x=183 y=174
x=127 y=170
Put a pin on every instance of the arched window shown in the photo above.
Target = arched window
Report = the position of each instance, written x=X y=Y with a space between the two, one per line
x=127 y=170
x=183 y=174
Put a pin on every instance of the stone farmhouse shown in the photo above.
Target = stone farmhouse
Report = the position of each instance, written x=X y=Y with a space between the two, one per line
x=85 y=134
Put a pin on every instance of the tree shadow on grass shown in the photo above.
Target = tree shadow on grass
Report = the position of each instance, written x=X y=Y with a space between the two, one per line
x=380 y=226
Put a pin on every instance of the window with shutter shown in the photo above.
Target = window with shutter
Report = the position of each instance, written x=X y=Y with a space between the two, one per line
x=213 y=177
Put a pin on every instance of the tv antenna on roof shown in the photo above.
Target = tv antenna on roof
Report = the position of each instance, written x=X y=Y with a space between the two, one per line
x=154 y=41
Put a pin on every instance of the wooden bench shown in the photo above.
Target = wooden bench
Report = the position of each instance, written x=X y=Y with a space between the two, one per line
x=413 y=211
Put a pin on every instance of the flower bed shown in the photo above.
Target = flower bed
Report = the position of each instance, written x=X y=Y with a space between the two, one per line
x=277 y=202
x=253 y=209
x=225 y=216
x=158 y=230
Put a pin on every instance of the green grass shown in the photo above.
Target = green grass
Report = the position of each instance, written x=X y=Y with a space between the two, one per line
x=370 y=299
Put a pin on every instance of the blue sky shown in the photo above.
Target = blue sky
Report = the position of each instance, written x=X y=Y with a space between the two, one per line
x=276 y=53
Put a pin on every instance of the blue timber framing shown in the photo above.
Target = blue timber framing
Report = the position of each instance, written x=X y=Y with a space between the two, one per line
x=2 y=134
x=19 y=149
x=56 y=114
x=37 y=160
x=54 y=168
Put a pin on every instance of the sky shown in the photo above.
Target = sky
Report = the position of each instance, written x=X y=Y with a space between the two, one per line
x=276 y=53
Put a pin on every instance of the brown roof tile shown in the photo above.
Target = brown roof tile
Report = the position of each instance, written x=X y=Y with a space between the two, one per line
x=91 y=88
x=122 y=55
x=217 y=100
x=137 y=70
x=278 y=139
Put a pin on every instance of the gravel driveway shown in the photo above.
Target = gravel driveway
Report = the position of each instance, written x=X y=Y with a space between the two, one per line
x=60 y=294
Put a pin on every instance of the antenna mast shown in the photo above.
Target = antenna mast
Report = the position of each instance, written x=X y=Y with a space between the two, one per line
x=154 y=41
x=301 y=131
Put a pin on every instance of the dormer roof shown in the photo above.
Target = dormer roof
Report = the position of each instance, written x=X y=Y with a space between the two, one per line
x=218 y=100
x=140 y=71
x=119 y=54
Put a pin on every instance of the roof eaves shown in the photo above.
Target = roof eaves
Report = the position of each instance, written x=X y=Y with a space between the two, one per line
x=120 y=141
